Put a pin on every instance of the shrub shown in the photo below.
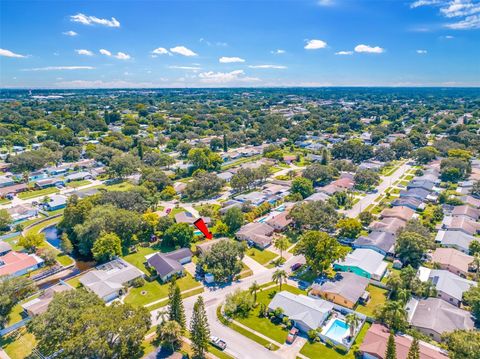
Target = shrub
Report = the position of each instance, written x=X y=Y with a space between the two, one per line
x=138 y=282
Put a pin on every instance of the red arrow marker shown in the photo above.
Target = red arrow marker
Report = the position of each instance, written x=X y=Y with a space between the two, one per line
x=200 y=224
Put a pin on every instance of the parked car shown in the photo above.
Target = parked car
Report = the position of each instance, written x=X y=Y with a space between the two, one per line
x=168 y=210
x=218 y=343
x=295 y=267
x=292 y=335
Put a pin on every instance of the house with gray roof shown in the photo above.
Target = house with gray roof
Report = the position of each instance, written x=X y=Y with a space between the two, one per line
x=167 y=265
x=4 y=248
x=305 y=312
x=317 y=196
x=110 y=279
x=455 y=239
x=344 y=290
x=40 y=304
x=381 y=242
x=256 y=233
x=55 y=202
x=418 y=193
x=466 y=211
x=421 y=183
x=187 y=217
x=450 y=287
x=409 y=202
x=364 y=262
x=434 y=317
x=462 y=224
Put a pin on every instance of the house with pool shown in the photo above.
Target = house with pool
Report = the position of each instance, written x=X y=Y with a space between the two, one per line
x=310 y=313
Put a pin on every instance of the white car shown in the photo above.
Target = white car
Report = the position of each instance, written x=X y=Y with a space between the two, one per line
x=217 y=342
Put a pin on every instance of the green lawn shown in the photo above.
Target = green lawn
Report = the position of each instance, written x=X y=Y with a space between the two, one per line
x=176 y=210
x=378 y=296
x=80 y=183
x=4 y=201
x=240 y=161
x=321 y=351
x=38 y=193
x=264 y=325
x=56 y=212
x=138 y=258
x=245 y=332
x=153 y=291
x=19 y=344
x=74 y=282
x=185 y=295
x=262 y=257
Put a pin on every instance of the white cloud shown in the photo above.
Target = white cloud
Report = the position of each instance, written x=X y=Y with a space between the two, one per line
x=70 y=33
x=225 y=77
x=105 y=52
x=228 y=60
x=344 y=53
x=421 y=52
x=91 y=20
x=84 y=52
x=369 y=49
x=460 y=8
x=122 y=56
x=60 y=68
x=315 y=44
x=161 y=51
x=104 y=84
x=278 y=52
x=182 y=50
x=192 y=68
x=470 y=22
x=419 y=3
x=8 y=53
x=449 y=37
x=267 y=67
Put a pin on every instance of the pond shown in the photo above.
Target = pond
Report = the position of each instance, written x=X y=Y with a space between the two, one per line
x=52 y=236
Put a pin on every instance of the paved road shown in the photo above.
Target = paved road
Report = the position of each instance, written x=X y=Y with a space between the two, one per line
x=237 y=345
x=370 y=198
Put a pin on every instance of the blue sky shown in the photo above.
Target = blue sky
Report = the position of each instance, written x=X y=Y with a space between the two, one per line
x=73 y=44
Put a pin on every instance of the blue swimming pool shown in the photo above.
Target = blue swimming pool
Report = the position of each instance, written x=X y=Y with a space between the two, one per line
x=337 y=330
x=52 y=236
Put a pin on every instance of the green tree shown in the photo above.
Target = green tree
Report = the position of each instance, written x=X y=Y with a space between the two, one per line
x=204 y=158
x=107 y=247
x=203 y=185
x=223 y=260
x=239 y=303
x=78 y=324
x=5 y=219
x=414 y=351
x=31 y=241
x=254 y=288
x=349 y=227
x=320 y=174
x=393 y=314
x=391 y=352
x=472 y=298
x=281 y=243
x=170 y=333
x=353 y=321
x=12 y=291
x=425 y=155
x=303 y=186
x=317 y=215
x=279 y=276
x=176 y=311
x=475 y=191
x=179 y=234
x=199 y=329
x=320 y=250
x=65 y=244
x=123 y=165
x=234 y=219
x=462 y=344
x=410 y=247
x=365 y=179
x=366 y=218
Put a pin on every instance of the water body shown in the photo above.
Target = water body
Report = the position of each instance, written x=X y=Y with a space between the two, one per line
x=52 y=235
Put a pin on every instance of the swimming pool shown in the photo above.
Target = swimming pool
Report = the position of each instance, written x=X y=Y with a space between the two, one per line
x=336 y=330
x=52 y=236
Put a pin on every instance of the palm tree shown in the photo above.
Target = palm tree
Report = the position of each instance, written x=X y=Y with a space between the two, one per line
x=170 y=333
x=253 y=289
x=281 y=243
x=353 y=321
x=279 y=276
x=393 y=314
x=476 y=265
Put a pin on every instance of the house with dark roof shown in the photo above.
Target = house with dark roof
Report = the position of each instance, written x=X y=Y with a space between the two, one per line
x=410 y=202
x=381 y=242
x=374 y=345
x=344 y=290
x=434 y=317
x=167 y=265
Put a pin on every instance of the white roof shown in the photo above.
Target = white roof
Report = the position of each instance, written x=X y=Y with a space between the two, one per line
x=366 y=259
